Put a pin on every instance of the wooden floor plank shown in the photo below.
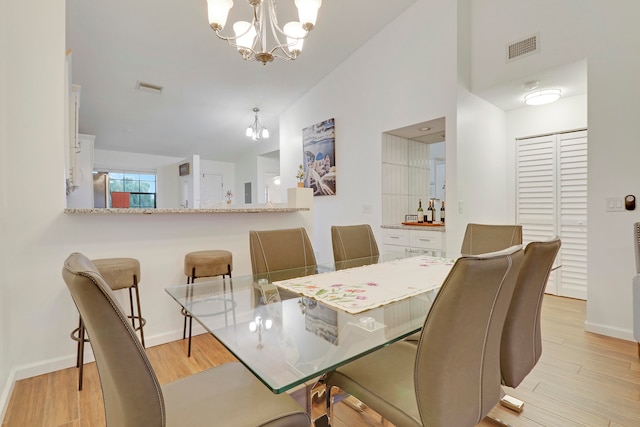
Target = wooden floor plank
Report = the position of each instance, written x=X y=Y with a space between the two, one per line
x=91 y=406
x=27 y=403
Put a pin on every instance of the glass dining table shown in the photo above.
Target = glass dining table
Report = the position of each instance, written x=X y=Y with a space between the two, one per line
x=289 y=327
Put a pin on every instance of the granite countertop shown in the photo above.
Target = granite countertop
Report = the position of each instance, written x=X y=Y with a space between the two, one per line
x=414 y=227
x=224 y=209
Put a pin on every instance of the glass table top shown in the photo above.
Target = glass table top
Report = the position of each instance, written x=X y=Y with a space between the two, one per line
x=286 y=339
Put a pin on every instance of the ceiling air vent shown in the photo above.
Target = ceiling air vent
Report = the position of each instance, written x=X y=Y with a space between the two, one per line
x=148 y=87
x=524 y=47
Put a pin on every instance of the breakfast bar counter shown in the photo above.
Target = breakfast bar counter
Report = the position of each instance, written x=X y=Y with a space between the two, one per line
x=216 y=210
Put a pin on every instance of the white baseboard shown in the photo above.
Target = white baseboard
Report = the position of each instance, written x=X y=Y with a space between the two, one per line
x=598 y=328
x=6 y=394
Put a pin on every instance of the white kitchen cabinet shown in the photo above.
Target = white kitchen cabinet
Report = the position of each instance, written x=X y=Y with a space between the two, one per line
x=408 y=239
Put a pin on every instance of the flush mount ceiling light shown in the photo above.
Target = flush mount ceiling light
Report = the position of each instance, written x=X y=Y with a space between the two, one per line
x=255 y=130
x=541 y=97
x=251 y=37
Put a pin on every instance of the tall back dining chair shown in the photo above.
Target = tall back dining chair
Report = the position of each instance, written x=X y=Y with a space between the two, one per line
x=521 y=345
x=353 y=241
x=283 y=249
x=452 y=377
x=131 y=392
x=485 y=238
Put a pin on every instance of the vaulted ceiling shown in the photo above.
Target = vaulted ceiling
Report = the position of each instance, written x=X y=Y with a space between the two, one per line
x=208 y=89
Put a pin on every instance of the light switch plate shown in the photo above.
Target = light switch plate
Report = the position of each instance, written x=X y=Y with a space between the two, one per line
x=615 y=204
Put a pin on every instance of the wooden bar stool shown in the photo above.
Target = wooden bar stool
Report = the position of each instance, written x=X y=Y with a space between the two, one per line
x=118 y=273
x=199 y=264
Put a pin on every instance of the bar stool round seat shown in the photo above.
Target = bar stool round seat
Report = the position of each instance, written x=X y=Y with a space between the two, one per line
x=118 y=273
x=209 y=263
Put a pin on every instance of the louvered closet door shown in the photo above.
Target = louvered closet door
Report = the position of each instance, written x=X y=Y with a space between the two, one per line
x=551 y=199
x=573 y=213
x=536 y=197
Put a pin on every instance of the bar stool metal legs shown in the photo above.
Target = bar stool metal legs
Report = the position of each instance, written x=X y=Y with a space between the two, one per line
x=119 y=273
x=141 y=320
x=79 y=335
x=191 y=279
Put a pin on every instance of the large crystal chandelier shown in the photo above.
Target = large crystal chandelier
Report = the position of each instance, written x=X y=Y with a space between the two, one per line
x=251 y=37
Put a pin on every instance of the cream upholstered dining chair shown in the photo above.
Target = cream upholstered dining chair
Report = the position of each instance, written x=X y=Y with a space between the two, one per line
x=636 y=286
x=452 y=377
x=485 y=238
x=131 y=392
x=281 y=250
x=353 y=245
x=353 y=241
x=521 y=344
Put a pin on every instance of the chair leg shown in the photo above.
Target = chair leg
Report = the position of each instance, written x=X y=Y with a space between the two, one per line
x=336 y=395
x=141 y=321
x=80 y=355
x=79 y=335
x=193 y=278
x=78 y=340
x=184 y=313
x=190 y=326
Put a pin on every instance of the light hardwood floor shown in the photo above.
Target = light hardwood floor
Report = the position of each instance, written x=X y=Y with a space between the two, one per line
x=582 y=379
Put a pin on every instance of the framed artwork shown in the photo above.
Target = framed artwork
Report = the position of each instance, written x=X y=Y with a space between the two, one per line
x=184 y=169
x=319 y=147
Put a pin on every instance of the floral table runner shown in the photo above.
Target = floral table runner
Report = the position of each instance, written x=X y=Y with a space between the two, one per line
x=363 y=288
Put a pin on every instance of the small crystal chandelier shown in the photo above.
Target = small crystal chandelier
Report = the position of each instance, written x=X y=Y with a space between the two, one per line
x=251 y=37
x=255 y=130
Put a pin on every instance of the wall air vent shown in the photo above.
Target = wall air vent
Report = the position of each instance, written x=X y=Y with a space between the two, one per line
x=148 y=87
x=523 y=47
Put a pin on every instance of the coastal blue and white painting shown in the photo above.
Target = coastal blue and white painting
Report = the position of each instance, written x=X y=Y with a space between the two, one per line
x=319 y=146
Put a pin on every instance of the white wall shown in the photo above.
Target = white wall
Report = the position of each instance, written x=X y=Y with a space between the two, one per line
x=562 y=27
x=5 y=355
x=481 y=165
x=265 y=165
x=226 y=169
x=406 y=74
x=247 y=170
x=614 y=108
x=109 y=159
x=32 y=140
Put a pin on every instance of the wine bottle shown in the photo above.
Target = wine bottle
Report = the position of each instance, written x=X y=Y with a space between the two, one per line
x=430 y=212
x=442 y=213
x=420 y=212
